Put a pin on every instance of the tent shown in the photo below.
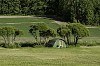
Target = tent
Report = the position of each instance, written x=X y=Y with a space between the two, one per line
x=58 y=43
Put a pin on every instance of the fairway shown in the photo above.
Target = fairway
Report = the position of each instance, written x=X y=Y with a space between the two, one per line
x=25 y=22
x=83 y=56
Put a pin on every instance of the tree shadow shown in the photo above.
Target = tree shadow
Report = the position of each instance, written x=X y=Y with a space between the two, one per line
x=53 y=17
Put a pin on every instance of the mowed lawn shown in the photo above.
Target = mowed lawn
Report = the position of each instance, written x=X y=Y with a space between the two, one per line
x=79 y=56
x=24 y=23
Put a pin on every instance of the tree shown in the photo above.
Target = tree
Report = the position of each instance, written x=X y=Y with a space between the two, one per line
x=34 y=29
x=64 y=32
x=48 y=33
x=38 y=30
x=9 y=34
x=78 y=31
x=41 y=30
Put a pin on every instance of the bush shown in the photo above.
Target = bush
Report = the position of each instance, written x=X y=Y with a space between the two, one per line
x=39 y=46
x=15 y=45
x=27 y=44
x=2 y=44
x=91 y=44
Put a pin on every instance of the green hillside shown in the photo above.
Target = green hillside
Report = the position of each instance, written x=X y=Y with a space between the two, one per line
x=94 y=32
x=24 y=23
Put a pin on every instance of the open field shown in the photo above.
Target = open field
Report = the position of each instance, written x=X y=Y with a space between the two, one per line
x=73 y=56
x=79 y=56
x=23 y=23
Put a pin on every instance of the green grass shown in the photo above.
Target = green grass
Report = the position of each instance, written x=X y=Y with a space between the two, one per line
x=21 y=20
x=24 y=23
x=79 y=56
x=83 y=56
x=94 y=32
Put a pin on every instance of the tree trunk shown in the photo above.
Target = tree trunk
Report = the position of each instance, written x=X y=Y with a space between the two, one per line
x=40 y=39
x=68 y=40
x=76 y=41
x=45 y=40
x=4 y=39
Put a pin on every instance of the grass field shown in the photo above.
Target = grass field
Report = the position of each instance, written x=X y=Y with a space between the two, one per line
x=79 y=56
x=74 y=56
x=24 y=23
x=95 y=32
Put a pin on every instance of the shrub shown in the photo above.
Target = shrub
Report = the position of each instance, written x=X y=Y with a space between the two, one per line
x=27 y=44
x=2 y=44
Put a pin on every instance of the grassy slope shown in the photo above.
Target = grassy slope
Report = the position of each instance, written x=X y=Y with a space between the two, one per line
x=24 y=23
x=83 y=56
x=94 y=32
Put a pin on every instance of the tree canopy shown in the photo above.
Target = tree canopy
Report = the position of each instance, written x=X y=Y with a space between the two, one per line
x=78 y=31
x=41 y=30
x=64 y=32
x=84 y=11
x=9 y=34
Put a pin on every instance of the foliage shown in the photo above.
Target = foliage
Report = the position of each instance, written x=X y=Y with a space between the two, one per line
x=83 y=11
x=24 y=7
x=78 y=31
x=9 y=34
x=41 y=30
x=26 y=44
x=33 y=30
x=24 y=23
x=64 y=32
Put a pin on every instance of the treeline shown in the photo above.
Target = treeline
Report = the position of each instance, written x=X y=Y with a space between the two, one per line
x=21 y=7
x=83 y=11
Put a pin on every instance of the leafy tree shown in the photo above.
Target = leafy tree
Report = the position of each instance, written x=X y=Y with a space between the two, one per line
x=9 y=34
x=48 y=33
x=64 y=32
x=34 y=29
x=78 y=31
x=41 y=30
x=38 y=30
x=83 y=11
